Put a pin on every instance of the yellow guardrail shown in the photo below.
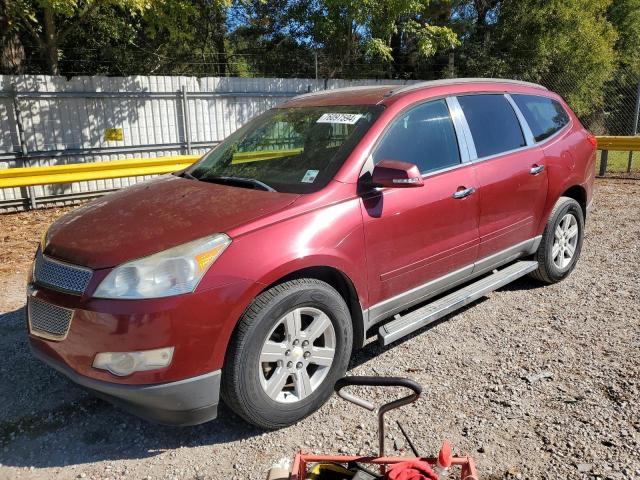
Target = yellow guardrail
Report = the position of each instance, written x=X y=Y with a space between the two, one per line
x=620 y=144
x=77 y=172
x=246 y=157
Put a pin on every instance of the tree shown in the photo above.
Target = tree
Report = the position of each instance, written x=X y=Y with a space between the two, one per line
x=12 y=54
x=568 y=45
x=625 y=16
x=48 y=22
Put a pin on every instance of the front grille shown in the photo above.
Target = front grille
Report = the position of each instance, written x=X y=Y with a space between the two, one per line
x=60 y=276
x=47 y=320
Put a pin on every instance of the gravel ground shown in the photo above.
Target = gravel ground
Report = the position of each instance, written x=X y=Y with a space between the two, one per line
x=533 y=381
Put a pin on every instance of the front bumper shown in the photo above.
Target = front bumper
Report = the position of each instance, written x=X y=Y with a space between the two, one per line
x=184 y=402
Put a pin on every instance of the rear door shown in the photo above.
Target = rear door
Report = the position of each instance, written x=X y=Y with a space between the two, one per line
x=415 y=235
x=511 y=172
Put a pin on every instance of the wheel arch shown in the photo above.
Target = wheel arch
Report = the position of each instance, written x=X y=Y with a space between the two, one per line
x=579 y=194
x=343 y=285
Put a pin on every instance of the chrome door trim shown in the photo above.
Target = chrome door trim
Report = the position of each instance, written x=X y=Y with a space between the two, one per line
x=421 y=293
x=524 y=126
x=462 y=129
x=464 y=193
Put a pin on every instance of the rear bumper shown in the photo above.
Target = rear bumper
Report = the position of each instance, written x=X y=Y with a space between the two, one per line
x=185 y=402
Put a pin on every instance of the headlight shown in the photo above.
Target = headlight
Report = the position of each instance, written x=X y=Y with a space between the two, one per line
x=172 y=272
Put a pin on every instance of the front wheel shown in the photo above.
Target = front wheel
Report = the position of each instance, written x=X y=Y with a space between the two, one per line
x=289 y=348
x=561 y=242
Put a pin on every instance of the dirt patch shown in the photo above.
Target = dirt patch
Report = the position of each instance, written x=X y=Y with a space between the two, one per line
x=534 y=381
x=19 y=237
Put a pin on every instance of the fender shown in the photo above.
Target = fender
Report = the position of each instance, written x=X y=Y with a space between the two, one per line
x=570 y=163
x=328 y=237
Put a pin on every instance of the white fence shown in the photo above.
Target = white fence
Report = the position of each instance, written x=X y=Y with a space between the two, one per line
x=52 y=121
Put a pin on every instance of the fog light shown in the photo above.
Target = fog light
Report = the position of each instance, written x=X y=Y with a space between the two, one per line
x=125 y=363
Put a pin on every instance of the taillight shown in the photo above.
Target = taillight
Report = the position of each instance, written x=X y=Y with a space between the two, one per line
x=592 y=140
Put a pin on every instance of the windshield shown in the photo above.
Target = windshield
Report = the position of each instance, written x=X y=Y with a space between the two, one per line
x=294 y=150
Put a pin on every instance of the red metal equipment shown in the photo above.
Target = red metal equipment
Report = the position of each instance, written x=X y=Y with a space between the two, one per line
x=303 y=461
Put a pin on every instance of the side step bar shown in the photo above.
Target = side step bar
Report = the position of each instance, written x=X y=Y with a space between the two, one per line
x=431 y=312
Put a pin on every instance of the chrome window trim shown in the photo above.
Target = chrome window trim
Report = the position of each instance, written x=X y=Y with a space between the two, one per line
x=446 y=169
x=551 y=137
x=524 y=126
x=507 y=95
x=369 y=164
x=467 y=151
x=475 y=157
x=461 y=125
x=569 y=123
x=527 y=147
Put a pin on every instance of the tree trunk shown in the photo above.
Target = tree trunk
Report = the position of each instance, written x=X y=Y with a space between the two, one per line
x=219 y=34
x=12 y=56
x=50 y=41
x=395 y=42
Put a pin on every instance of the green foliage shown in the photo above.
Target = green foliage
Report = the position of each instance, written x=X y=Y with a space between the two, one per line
x=625 y=16
x=584 y=49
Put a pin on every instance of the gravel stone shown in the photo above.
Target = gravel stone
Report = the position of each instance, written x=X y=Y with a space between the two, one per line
x=583 y=422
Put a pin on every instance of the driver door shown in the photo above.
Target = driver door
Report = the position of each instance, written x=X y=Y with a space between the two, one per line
x=415 y=235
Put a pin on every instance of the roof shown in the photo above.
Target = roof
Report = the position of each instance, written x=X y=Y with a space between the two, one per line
x=372 y=95
x=362 y=95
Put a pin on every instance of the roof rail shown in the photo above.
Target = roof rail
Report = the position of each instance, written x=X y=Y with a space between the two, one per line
x=346 y=89
x=454 y=81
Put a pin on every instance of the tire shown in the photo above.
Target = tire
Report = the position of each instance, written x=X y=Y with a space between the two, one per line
x=252 y=389
x=553 y=253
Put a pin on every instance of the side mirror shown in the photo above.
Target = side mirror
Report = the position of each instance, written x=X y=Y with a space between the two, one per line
x=396 y=174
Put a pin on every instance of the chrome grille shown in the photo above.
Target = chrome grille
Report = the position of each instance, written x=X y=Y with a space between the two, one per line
x=60 y=276
x=47 y=320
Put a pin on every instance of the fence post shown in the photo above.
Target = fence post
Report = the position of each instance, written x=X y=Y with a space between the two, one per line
x=31 y=192
x=186 y=123
x=315 y=56
x=634 y=130
x=604 y=158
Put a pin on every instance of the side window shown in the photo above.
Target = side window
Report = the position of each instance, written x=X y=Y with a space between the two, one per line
x=493 y=123
x=424 y=135
x=544 y=115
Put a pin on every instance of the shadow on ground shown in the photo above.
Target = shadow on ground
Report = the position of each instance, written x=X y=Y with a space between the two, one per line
x=47 y=421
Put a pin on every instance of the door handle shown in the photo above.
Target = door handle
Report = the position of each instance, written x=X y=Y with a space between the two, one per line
x=463 y=193
x=536 y=169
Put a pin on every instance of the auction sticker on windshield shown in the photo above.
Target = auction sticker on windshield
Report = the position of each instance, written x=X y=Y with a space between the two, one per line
x=310 y=176
x=346 y=118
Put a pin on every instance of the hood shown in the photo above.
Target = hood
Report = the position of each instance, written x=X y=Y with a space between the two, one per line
x=153 y=216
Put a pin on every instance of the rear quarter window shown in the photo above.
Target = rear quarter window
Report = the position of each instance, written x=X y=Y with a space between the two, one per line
x=493 y=123
x=545 y=116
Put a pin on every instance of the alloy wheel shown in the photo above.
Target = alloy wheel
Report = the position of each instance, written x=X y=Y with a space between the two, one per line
x=565 y=241
x=297 y=354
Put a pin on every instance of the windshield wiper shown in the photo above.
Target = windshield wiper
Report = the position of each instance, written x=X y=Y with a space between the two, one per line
x=186 y=174
x=239 y=180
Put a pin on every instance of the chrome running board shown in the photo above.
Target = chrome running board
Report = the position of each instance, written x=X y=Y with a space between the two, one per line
x=433 y=311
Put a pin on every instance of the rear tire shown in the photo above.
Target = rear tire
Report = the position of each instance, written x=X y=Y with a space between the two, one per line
x=561 y=242
x=286 y=353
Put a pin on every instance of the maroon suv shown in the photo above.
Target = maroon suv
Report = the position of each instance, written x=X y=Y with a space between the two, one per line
x=255 y=273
